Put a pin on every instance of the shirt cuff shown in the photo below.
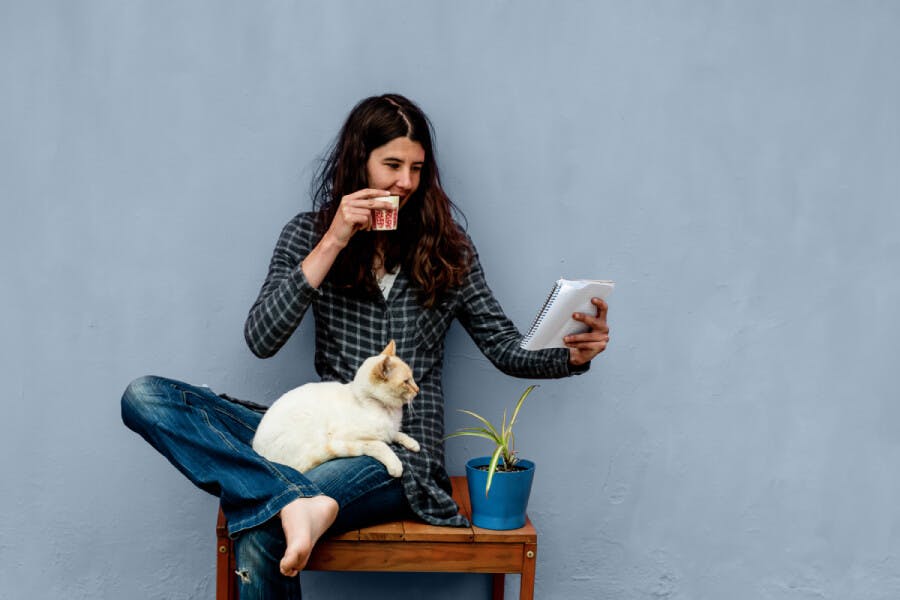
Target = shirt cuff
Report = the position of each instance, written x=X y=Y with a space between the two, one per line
x=578 y=369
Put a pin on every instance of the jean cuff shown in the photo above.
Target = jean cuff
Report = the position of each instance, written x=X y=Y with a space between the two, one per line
x=267 y=511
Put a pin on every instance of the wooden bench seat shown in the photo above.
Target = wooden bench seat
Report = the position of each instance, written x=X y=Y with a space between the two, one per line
x=411 y=546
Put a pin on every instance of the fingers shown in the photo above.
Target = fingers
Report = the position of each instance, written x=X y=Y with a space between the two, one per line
x=358 y=218
x=355 y=212
x=367 y=193
x=587 y=340
x=596 y=324
x=595 y=341
x=367 y=198
x=581 y=352
x=362 y=202
x=602 y=307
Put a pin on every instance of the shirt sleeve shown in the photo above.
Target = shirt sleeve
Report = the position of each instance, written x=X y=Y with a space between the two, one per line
x=285 y=295
x=498 y=338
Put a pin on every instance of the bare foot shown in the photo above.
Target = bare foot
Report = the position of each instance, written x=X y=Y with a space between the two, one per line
x=304 y=521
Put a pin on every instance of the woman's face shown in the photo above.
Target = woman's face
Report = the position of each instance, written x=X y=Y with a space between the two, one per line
x=396 y=167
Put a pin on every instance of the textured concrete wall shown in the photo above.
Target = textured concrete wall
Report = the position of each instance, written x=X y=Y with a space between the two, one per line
x=733 y=165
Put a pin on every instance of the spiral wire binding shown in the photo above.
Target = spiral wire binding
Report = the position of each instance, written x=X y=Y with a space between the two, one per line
x=551 y=298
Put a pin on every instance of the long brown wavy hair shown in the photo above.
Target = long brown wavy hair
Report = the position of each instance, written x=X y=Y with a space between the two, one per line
x=428 y=244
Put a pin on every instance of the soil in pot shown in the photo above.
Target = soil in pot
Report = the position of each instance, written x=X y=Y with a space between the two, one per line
x=502 y=468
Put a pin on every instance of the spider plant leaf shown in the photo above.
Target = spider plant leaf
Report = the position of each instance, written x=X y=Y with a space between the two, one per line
x=478 y=429
x=509 y=453
x=488 y=424
x=519 y=404
x=492 y=468
x=482 y=433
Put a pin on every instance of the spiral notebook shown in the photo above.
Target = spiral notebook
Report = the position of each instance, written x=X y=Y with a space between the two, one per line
x=554 y=321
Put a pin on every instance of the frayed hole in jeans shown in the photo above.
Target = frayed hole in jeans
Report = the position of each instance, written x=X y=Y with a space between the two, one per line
x=244 y=575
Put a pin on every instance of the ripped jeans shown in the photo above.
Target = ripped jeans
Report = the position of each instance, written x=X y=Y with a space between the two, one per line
x=208 y=438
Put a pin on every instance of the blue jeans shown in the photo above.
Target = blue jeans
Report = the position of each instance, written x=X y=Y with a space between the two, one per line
x=208 y=439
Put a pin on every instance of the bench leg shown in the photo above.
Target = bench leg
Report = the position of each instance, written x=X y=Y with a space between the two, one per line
x=526 y=587
x=226 y=584
x=499 y=586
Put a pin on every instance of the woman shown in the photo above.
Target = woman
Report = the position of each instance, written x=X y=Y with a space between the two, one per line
x=365 y=288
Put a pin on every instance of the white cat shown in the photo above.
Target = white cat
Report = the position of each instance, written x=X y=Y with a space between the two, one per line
x=320 y=421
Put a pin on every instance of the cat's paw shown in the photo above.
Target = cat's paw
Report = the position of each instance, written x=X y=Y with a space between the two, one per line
x=395 y=468
x=407 y=442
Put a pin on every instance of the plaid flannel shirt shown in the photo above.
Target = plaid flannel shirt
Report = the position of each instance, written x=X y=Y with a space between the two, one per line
x=350 y=329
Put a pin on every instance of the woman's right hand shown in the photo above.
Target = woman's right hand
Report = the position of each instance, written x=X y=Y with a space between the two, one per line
x=355 y=214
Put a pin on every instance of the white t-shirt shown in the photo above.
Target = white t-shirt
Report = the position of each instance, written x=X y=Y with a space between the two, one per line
x=387 y=282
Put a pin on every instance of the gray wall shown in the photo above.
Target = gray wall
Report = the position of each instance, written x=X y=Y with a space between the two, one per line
x=732 y=165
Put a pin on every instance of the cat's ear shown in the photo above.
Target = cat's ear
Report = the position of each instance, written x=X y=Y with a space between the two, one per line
x=383 y=368
x=391 y=349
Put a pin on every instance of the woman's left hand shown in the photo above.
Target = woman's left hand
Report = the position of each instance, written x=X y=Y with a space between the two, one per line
x=585 y=346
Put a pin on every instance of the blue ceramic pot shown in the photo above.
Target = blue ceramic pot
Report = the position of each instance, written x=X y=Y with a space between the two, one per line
x=504 y=507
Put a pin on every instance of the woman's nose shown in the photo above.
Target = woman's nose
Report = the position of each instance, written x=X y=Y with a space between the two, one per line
x=404 y=179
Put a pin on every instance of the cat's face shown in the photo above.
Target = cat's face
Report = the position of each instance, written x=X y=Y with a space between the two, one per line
x=392 y=378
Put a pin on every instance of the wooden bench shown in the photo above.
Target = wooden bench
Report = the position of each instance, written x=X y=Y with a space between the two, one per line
x=411 y=546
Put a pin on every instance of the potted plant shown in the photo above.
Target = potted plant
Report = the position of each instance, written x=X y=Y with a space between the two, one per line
x=499 y=484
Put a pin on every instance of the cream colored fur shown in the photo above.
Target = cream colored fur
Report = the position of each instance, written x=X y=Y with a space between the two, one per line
x=317 y=422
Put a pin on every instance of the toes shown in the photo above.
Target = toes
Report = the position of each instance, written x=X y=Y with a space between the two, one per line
x=288 y=572
x=289 y=566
